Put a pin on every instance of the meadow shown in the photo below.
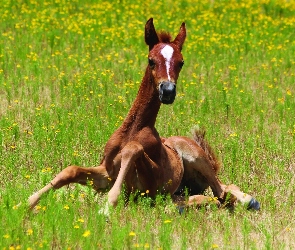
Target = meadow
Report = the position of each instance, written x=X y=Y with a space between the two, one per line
x=69 y=72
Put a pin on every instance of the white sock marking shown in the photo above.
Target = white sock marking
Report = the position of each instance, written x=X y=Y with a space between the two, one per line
x=167 y=53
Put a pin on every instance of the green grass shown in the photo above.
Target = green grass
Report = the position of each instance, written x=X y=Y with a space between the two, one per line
x=69 y=71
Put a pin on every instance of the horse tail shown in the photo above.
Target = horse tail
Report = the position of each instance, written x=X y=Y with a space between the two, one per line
x=199 y=137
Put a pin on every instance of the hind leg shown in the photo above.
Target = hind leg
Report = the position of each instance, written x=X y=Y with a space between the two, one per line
x=197 y=167
x=73 y=174
x=197 y=164
x=233 y=194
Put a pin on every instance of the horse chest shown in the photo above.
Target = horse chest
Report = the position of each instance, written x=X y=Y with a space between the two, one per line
x=150 y=141
x=147 y=137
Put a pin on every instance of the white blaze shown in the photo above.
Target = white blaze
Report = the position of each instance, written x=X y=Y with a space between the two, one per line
x=167 y=53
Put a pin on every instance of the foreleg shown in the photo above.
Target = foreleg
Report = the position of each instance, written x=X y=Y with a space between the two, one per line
x=73 y=174
x=196 y=201
x=130 y=153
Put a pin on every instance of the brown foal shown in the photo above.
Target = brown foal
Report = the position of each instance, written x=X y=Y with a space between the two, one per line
x=135 y=154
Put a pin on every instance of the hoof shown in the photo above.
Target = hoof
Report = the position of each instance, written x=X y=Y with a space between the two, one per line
x=180 y=209
x=107 y=219
x=253 y=204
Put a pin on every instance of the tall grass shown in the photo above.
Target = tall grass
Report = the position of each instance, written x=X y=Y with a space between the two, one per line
x=69 y=71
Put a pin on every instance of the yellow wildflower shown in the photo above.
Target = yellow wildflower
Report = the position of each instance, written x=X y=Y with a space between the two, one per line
x=30 y=231
x=86 y=233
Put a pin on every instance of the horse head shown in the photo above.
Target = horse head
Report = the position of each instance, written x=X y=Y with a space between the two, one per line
x=165 y=60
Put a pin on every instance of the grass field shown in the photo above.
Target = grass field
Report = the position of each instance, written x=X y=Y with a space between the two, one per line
x=69 y=71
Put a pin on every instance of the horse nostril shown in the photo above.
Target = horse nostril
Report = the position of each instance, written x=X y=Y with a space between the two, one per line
x=171 y=88
x=168 y=87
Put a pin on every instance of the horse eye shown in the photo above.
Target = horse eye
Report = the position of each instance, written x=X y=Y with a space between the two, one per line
x=181 y=64
x=152 y=63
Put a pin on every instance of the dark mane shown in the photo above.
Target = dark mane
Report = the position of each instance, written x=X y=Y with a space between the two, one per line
x=164 y=37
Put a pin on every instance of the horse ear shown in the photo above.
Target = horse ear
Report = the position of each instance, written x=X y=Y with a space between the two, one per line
x=151 y=37
x=180 y=38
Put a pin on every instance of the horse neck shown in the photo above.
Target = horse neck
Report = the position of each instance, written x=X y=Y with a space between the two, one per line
x=145 y=108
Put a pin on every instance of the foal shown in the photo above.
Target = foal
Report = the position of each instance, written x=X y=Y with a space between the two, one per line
x=136 y=155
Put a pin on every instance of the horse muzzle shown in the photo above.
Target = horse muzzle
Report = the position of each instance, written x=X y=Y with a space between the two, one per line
x=167 y=92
